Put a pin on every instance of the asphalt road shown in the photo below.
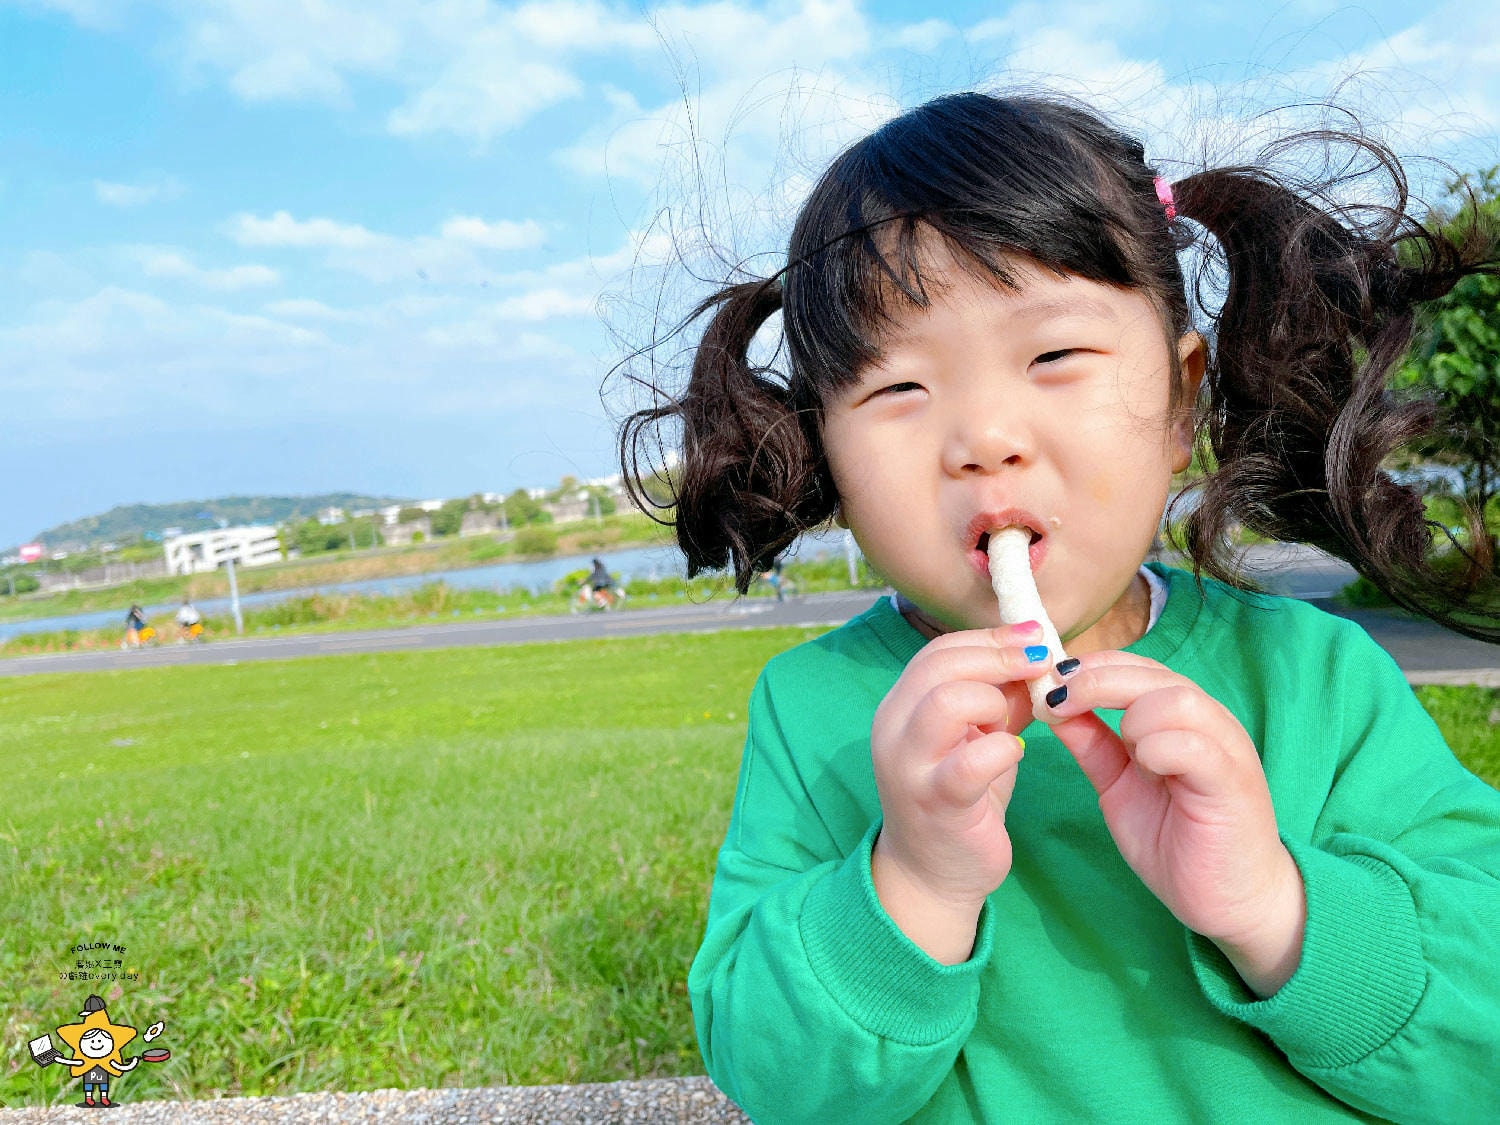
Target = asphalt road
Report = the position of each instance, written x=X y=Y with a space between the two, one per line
x=814 y=609
x=1426 y=652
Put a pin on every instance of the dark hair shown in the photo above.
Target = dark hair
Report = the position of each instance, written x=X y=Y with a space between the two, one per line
x=1318 y=307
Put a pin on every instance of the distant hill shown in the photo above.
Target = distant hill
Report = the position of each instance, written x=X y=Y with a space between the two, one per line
x=130 y=521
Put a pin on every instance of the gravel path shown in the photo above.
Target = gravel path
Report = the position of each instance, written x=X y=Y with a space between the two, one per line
x=662 y=1101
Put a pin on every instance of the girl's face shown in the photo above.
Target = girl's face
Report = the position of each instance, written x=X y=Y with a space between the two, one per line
x=1046 y=406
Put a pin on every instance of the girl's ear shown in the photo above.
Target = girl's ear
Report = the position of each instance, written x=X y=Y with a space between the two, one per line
x=1192 y=358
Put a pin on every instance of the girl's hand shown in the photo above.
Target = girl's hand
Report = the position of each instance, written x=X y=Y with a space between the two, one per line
x=944 y=751
x=1185 y=798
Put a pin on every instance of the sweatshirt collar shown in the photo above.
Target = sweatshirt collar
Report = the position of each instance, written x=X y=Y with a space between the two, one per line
x=1161 y=641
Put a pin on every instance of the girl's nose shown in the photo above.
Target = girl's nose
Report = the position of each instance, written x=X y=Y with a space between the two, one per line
x=985 y=437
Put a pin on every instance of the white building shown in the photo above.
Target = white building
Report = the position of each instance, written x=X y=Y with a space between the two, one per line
x=392 y=514
x=209 y=550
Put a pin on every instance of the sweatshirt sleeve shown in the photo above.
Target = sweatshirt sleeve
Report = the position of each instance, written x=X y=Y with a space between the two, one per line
x=810 y=1004
x=1395 y=1005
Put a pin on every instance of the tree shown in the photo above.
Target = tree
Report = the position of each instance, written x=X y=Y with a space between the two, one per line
x=1456 y=357
x=313 y=538
x=602 y=501
x=520 y=509
x=448 y=519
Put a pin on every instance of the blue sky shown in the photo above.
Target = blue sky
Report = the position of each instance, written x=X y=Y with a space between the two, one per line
x=270 y=246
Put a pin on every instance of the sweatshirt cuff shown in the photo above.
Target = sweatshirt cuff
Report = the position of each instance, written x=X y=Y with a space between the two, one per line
x=1361 y=974
x=880 y=977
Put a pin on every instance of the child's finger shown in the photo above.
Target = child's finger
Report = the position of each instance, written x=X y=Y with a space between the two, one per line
x=1113 y=685
x=965 y=776
x=964 y=664
x=1099 y=752
x=946 y=714
x=1002 y=636
x=1187 y=757
x=980 y=644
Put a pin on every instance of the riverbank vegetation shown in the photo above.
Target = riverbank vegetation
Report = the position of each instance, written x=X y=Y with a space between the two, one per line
x=622 y=529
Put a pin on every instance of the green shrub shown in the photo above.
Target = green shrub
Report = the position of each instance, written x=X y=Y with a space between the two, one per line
x=22 y=582
x=536 y=539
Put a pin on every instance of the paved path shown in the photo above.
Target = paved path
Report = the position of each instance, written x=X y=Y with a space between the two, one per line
x=1428 y=653
x=814 y=609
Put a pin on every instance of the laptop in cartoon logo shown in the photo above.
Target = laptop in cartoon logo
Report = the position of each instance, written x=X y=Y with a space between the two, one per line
x=97 y=1045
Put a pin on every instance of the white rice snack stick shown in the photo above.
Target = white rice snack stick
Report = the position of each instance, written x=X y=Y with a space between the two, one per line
x=1015 y=590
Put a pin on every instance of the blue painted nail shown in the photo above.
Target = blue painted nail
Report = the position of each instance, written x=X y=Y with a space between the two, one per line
x=1056 y=696
x=1069 y=665
x=1035 y=654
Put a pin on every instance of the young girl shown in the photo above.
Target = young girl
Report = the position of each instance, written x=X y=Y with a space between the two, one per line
x=1234 y=873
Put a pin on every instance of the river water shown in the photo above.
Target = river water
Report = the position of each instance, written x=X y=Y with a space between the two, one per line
x=538 y=576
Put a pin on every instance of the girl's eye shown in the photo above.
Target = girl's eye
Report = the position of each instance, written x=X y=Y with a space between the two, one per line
x=899 y=388
x=1053 y=357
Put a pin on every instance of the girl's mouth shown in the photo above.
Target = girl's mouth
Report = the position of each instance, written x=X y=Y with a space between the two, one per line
x=983 y=546
x=979 y=535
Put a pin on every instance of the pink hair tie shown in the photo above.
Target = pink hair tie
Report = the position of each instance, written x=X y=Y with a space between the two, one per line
x=1164 y=194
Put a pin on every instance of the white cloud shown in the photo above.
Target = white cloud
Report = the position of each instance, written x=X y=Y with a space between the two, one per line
x=476 y=69
x=97 y=15
x=252 y=330
x=1076 y=61
x=578 y=25
x=305 y=308
x=923 y=37
x=457 y=254
x=290 y=49
x=467 y=67
x=124 y=353
x=171 y=264
x=1097 y=18
x=480 y=96
x=501 y=235
x=51 y=273
x=90 y=324
x=116 y=194
x=281 y=229
x=546 y=304
x=491 y=68
x=1436 y=81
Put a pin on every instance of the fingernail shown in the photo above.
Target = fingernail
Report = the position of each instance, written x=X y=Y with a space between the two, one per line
x=1035 y=654
x=1028 y=626
x=1056 y=696
x=1069 y=665
x=1022 y=741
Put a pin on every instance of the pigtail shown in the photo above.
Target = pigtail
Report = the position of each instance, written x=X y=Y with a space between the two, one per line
x=750 y=479
x=1319 y=309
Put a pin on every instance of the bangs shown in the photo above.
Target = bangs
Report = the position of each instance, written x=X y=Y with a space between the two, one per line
x=993 y=180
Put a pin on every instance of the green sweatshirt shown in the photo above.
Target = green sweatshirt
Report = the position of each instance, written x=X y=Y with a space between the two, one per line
x=1084 y=999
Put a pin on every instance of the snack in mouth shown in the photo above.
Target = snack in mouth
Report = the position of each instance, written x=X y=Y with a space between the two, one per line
x=1015 y=590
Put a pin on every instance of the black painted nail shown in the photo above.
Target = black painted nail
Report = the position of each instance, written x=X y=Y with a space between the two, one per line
x=1056 y=696
x=1069 y=665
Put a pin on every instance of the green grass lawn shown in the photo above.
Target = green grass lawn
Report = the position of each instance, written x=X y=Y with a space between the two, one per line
x=463 y=867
